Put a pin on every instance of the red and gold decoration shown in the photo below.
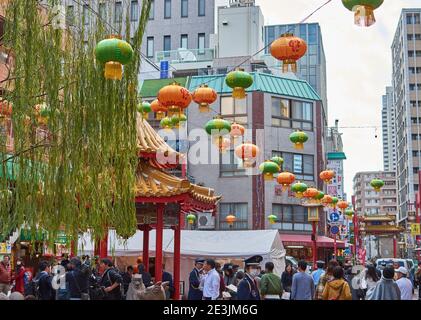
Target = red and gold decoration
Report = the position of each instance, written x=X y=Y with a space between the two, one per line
x=159 y=109
x=327 y=176
x=285 y=179
x=327 y=200
x=247 y=152
x=298 y=138
x=299 y=188
x=239 y=81
x=268 y=169
x=377 y=184
x=204 y=96
x=363 y=10
x=289 y=49
x=310 y=193
x=342 y=205
x=175 y=98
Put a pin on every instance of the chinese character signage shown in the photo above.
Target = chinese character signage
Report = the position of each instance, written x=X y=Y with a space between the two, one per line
x=5 y=248
x=415 y=229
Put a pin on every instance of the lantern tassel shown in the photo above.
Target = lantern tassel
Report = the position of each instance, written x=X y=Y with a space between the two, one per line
x=364 y=16
x=238 y=93
x=113 y=71
x=299 y=146
x=204 y=108
x=268 y=176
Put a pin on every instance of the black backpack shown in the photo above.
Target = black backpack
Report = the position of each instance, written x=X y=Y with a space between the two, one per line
x=33 y=287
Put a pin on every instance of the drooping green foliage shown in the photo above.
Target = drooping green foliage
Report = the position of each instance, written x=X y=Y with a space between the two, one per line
x=74 y=158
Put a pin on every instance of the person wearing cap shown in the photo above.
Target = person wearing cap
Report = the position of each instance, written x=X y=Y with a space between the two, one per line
x=404 y=284
x=319 y=272
x=248 y=288
x=194 y=280
x=229 y=276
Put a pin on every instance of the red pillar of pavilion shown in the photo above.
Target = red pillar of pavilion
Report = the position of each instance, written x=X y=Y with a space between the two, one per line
x=101 y=247
x=145 y=256
x=159 y=241
x=177 y=257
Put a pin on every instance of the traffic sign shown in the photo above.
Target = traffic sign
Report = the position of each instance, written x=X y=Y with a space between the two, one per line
x=334 y=230
x=334 y=217
x=415 y=229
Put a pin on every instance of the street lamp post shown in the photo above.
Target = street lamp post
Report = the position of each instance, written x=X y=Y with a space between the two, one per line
x=313 y=217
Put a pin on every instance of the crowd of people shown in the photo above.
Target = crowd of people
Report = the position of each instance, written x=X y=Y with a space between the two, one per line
x=331 y=281
x=82 y=278
x=98 y=279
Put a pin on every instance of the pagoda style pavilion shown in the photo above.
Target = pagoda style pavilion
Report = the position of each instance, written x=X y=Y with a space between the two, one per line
x=162 y=199
x=381 y=225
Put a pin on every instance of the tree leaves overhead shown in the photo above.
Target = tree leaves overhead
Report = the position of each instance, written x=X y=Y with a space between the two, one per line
x=74 y=158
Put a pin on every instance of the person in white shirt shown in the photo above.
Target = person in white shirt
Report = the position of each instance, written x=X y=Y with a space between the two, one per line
x=211 y=281
x=404 y=284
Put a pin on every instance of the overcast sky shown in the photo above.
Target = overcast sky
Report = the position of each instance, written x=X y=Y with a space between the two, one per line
x=359 y=68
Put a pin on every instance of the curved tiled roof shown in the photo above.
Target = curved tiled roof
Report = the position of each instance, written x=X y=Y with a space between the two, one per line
x=152 y=182
x=149 y=141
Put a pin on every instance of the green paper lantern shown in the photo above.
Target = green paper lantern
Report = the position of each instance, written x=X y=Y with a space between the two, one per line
x=239 y=81
x=298 y=138
x=269 y=168
x=278 y=160
x=377 y=184
x=363 y=10
x=218 y=126
x=299 y=188
x=144 y=108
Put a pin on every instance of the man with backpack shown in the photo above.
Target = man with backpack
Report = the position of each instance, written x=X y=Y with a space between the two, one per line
x=111 y=281
x=42 y=283
x=78 y=280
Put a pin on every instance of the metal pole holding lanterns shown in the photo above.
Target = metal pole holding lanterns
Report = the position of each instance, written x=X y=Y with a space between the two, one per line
x=313 y=217
x=335 y=249
x=418 y=218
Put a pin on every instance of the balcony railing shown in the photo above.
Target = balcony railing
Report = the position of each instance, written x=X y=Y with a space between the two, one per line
x=185 y=55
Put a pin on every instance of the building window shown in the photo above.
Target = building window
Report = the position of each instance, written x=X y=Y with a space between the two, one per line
x=150 y=47
x=239 y=210
x=134 y=11
x=167 y=9
x=118 y=12
x=291 y=218
x=86 y=14
x=230 y=165
x=184 y=41
x=234 y=110
x=167 y=43
x=292 y=114
x=70 y=15
x=202 y=8
x=184 y=8
x=301 y=165
x=152 y=11
x=201 y=43
x=102 y=10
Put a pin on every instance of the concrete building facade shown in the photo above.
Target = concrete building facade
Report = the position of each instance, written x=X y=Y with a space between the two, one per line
x=389 y=131
x=406 y=54
x=370 y=202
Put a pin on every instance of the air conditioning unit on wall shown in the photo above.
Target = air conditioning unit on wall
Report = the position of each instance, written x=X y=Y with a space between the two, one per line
x=205 y=221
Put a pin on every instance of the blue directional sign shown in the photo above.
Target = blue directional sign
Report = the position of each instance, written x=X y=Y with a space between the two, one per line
x=334 y=230
x=334 y=217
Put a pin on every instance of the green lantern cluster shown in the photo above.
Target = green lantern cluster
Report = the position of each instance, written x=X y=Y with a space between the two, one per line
x=269 y=168
x=377 y=184
x=239 y=81
x=335 y=201
x=178 y=120
x=144 y=108
x=363 y=10
x=114 y=53
x=299 y=188
x=166 y=123
x=298 y=138
x=349 y=213
x=218 y=127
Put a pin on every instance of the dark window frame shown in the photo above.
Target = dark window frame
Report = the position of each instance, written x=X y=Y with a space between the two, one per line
x=186 y=3
x=292 y=121
x=167 y=14
x=298 y=175
x=239 y=224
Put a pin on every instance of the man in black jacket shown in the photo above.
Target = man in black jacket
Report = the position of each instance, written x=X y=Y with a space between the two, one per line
x=77 y=280
x=44 y=279
x=111 y=280
x=146 y=276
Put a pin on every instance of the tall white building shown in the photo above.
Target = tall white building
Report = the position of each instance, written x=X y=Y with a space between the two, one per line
x=406 y=54
x=240 y=29
x=389 y=131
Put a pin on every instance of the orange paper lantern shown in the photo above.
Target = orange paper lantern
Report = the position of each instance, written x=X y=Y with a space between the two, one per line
x=288 y=49
x=327 y=175
x=285 y=179
x=204 y=96
x=159 y=109
x=175 y=97
x=247 y=152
